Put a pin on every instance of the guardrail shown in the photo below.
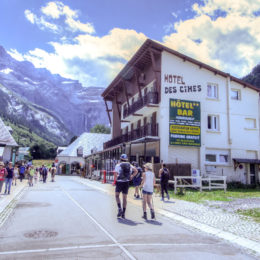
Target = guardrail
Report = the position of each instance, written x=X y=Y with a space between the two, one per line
x=198 y=182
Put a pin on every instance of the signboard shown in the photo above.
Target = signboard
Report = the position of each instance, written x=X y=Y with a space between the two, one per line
x=184 y=123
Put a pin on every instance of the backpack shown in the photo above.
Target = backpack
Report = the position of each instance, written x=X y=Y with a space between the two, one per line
x=165 y=174
x=125 y=171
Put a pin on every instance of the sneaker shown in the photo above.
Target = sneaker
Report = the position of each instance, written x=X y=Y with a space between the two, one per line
x=120 y=212
x=123 y=215
x=145 y=216
x=152 y=214
x=168 y=196
x=162 y=199
x=8 y=192
x=137 y=196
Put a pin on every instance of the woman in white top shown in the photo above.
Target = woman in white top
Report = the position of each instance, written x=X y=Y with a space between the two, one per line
x=148 y=184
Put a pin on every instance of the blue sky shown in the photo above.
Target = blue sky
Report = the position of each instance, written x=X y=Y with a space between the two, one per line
x=90 y=41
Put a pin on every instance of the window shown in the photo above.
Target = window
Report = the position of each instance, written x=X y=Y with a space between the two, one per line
x=213 y=123
x=250 y=123
x=217 y=157
x=235 y=94
x=212 y=91
x=211 y=158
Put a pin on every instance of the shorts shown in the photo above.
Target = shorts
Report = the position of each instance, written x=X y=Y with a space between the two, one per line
x=147 y=192
x=122 y=187
x=137 y=182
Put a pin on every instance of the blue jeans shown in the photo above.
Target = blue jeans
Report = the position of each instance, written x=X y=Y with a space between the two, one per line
x=8 y=184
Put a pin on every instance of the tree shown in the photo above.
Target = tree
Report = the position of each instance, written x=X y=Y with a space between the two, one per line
x=253 y=77
x=99 y=128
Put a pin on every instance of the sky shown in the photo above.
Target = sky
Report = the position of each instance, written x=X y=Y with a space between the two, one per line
x=91 y=40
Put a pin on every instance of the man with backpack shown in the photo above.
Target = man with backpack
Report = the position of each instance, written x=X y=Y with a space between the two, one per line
x=125 y=172
x=21 y=172
x=164 y=176
x=44 y=173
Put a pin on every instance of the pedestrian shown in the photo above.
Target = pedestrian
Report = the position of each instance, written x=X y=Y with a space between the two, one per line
x=36 y=173
x=30 y=175
x=2 y=175
x=22 y=172
x=125 y=172
x=164 y=175
x=137 y=179
x=16 y=174
x=53 y=171
x=44 y=173
x=9 y=177
x=40 y=171
x=148 y=183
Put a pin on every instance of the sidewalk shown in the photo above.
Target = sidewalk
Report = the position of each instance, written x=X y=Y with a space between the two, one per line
x=225 y=225
x=8 y=202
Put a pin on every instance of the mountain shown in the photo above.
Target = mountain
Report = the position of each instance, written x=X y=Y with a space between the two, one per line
x=254 y=76
x=74 y=108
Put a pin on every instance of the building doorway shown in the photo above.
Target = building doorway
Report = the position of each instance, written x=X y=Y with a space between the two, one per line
x=252 y=174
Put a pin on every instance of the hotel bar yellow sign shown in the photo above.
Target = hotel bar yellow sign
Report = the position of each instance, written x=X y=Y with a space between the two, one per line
x=184 y=123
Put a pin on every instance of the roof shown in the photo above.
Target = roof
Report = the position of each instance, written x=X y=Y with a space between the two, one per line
x=142 y=57
x=88 y=141
x=5 y=136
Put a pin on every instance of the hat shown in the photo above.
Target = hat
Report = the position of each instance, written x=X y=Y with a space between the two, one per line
x=148 y=166
x=123 y=157
x=2 y=164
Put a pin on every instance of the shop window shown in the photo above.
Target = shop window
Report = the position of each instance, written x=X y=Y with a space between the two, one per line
x=235 y=94
x=250 y=123
x=213 y=123
x=211 y=158
x=212 y=91
x=217 y=157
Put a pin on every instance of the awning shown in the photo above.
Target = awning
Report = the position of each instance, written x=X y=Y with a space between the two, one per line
x=147 y=139
x=241 y=160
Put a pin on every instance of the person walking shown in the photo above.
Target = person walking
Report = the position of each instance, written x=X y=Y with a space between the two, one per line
x=2 y=175
x=9 y=177
x=53 y=171
x=44 y=173
x=36 y=174
x=148 y=183
x=125 y=172
x=21 y=172
x=31 y=175
x=16 y=174
x=164 y=178
x=137 y=179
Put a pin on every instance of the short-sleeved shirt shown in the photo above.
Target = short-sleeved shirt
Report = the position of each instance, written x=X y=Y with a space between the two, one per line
x=10 y=173
x=22 y=169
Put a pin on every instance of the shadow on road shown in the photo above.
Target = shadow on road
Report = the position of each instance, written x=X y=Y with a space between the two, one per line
x=168 y=201
x=128 y=222
x=154 y=222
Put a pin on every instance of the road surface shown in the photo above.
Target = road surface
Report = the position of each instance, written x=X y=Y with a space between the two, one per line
x=69 y=220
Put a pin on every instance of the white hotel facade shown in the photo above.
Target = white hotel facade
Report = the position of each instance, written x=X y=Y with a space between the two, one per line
x=167 y=107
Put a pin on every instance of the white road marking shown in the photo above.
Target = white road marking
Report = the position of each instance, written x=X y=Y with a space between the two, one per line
x=44 y=250
x=101 y=227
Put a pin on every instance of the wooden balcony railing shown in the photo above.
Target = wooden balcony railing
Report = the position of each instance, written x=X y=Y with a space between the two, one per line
x=149 y=98
x=146 y=130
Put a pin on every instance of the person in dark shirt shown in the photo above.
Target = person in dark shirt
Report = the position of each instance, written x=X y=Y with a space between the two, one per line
x=9 y=177
x=164 y=175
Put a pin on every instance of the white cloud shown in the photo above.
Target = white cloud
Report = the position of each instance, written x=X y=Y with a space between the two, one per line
x=229 y=42
x=41 y=22
x=57 y=9
x=90 y=59
x=16 y=55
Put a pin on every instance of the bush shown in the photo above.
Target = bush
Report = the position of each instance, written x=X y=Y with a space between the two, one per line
x=239 y=185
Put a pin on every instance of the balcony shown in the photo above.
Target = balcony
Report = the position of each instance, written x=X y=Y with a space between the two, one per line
x=149 y=98
x=146 y=130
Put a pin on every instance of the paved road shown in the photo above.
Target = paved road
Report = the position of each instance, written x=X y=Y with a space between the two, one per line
x=69 y=220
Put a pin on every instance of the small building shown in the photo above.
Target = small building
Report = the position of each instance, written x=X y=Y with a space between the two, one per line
x=60 y=149
x=167 y=107
x=8 y=146
x=71 y=160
